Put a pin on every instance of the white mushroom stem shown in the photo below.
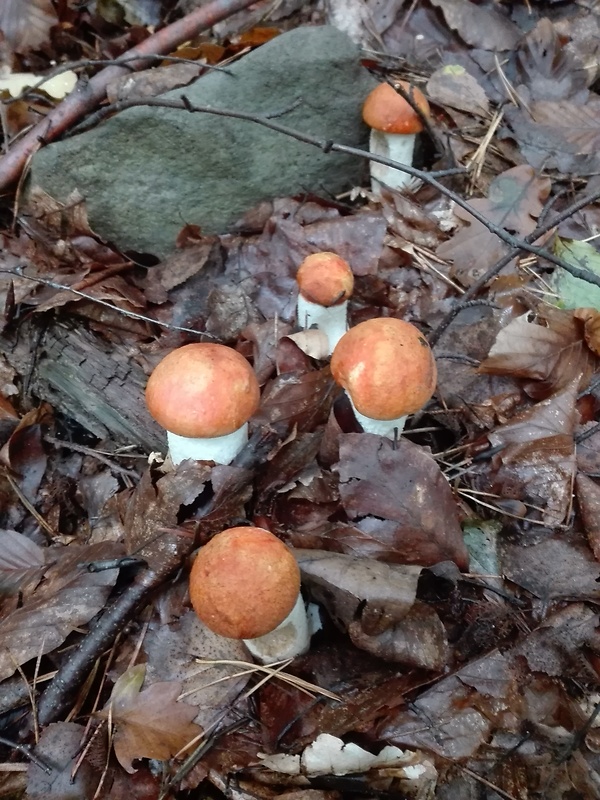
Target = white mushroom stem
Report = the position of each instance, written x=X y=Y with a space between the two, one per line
x=289 y=639
x=220 y=449
x=397 y=147
x=381 y=427
x=332 y=320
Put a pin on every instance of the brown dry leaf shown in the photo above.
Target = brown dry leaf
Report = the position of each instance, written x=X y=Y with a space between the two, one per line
x=211 y=688
x=457 y=715
x=297 y=399
x=552 y=569
x=70 y=778
x=26 y=23
x=588 y=497
x=391 y=486
x=148 y=723
x=515 y=200
x=480 y=26
x=21 y=562
x=453 y=86
x=376 y=604
x=591 y=327
x=561 y=135
x=68 y=597
x=553 y=353
x=556 y=647
x=546 y=69
x=539 y=473
x=313 y=343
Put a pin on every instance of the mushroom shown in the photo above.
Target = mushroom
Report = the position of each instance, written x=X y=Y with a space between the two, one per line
x=203 y=395
x=394 y=125
x=325 y=282
x=245 y=584
x=388 y=371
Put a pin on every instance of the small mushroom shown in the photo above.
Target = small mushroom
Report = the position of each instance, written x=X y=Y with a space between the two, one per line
x=388 y=371
x=394 y=125
x=245 y=584
x=203 y=395
x=325 y=282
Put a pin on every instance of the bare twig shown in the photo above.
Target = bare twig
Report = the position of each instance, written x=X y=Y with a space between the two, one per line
x=17 y=272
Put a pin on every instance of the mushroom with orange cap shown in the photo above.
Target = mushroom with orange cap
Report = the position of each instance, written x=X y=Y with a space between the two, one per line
x=203 y=395
x=388 y=371
x=245 y=584
x=325 y=282
x=394 y=125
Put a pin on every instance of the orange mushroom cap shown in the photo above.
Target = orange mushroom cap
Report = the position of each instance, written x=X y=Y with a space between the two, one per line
x=325 y=279
x=202 y=391
x=386 y=366
x=244 y=583
x=385 y=110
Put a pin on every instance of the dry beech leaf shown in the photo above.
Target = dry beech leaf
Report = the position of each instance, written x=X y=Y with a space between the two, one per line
x=70 y=777
x=376 y=605
x=149 y=723
x=212 y=688
x=26 y=23
x=553 y=354
x=591 y=327
x=68 y=597
x=387 y=490
x=21 y=562
x=313 y=343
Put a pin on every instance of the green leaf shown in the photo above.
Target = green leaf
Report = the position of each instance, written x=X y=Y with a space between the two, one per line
x=575 y=292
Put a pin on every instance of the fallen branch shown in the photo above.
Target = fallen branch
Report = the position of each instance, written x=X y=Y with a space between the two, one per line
x=88 y=95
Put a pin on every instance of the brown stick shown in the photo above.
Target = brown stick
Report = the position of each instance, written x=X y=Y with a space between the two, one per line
x=88 y=96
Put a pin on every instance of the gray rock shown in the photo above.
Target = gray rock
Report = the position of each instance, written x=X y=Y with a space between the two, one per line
x=147 y=172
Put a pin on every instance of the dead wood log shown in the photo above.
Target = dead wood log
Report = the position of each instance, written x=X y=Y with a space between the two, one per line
x=92 y=381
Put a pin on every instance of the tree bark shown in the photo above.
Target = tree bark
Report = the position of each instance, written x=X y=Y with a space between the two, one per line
x=92 y=381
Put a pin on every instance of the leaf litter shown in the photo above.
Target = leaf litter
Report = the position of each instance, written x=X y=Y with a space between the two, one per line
x=415 y=650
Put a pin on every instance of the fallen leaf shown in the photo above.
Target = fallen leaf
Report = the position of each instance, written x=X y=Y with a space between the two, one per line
x=453 y=86
x=575 y=292
x=515 y=200
x=21 y=562
x=551 y=350
x=376 y=604
x=68 y=597
x=588 y=497
x=60 y=748
x=148 y=723
x=480 y=26
x=591 y=327
x=382 y=482
x=26 y=23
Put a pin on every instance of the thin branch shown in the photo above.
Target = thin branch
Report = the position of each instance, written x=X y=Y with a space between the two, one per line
x=18 y=273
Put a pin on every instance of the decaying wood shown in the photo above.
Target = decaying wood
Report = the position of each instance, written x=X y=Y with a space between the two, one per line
x=92 y=381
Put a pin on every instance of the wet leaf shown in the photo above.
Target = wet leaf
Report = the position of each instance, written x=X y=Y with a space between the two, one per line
x=60 y=748
x=376 y=604
x=480 y=26
x=21 y=562
x=390 y=489
x=26 y=23
x=552 y=350
x=588 y=497
x=515 y=200
x=68 y=597
x=149 y=723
